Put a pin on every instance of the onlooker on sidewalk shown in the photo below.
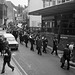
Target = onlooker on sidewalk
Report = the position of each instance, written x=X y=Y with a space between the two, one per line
x=66 y=56
x=55 y=45
x=7 y=59
x=32 y=43
x=39 y=46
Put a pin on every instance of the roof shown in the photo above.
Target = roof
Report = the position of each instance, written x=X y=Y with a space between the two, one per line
x=62 y=8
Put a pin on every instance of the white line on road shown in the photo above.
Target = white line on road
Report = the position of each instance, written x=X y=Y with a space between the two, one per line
x=20 y=66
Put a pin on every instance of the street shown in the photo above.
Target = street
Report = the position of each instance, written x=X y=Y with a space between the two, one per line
x=33 y=64
x=48 y=24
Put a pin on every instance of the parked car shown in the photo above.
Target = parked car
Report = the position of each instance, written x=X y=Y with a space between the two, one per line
x=13 y=44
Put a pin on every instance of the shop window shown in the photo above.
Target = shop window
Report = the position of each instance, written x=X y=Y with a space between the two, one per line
x=68 y=0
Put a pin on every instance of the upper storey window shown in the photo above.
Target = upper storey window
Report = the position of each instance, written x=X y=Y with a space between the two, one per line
x=48 y=3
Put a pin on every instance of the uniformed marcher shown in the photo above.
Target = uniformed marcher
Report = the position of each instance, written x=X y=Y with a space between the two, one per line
x=15 y=33
x=21 y=37
x=37 y=42
x=45 y=42
x=32 y=43
x=7 y=59
x=25 y=37
x=39 y=46
x=55 y=46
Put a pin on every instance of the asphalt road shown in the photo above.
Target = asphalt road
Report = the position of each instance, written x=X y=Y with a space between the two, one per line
x=30 y=63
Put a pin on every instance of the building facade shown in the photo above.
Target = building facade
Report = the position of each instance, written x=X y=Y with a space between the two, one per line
x=11 y=11
x=34 y=20
x=49 y=3
x=3 y=12
x=58 y=19
x=51 y=22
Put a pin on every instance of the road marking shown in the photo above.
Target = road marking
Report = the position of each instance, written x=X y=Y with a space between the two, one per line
x=17 y=68
x=20 y=66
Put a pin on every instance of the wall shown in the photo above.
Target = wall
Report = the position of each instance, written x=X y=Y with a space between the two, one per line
x=33 y=6
x=10 y=11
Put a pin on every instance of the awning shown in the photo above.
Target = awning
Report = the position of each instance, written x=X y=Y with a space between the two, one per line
x=57 y=9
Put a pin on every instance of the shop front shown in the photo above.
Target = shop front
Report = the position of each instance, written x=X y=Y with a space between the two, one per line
x=58 y=20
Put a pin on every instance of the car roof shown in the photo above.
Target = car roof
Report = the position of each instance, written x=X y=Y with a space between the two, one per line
x=8 y=35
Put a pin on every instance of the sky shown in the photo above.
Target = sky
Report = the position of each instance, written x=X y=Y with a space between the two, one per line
x=17 y=2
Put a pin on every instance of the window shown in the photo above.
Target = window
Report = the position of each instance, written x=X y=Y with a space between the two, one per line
x=63 y=1
x=59 y=1
x=54 y=2
x=47 y=3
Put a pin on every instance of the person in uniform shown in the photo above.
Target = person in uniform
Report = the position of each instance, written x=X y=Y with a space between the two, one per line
x=55 y=45
x=45 y=42
x=39 y=46
x=26 y=39
x=32 y=43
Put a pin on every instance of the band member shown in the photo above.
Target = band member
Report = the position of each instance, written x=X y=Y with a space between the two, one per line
x=55 y=45
x=66 y=56
x=45 y=42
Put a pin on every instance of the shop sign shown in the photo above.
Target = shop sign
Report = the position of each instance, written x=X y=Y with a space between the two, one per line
x=64 y=37
x=48 y=17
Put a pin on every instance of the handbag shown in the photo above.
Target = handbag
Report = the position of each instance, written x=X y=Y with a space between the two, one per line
x=62 y=59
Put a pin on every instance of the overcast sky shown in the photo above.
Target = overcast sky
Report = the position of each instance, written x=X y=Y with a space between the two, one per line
x=17 y=2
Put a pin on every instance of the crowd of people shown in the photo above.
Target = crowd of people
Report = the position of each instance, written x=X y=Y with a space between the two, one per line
x=40 y=43
x=34 y=39
x=67 y=52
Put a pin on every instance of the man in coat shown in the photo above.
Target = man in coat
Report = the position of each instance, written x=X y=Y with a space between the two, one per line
x=39 y=46
x=45 y=42
x=66 y=56
x=25 y=37
x=32 y=43
x=7 y=59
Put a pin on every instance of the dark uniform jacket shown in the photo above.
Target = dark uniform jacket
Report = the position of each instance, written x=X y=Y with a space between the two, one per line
x=26 y=38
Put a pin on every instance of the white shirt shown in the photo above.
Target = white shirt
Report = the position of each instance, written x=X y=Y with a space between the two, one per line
x=71 y=46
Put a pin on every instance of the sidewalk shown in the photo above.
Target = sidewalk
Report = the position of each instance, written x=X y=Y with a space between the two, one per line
x=8 y=70
x=60 y=55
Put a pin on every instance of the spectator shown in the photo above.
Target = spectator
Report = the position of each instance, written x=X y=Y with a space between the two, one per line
x=7 y=59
